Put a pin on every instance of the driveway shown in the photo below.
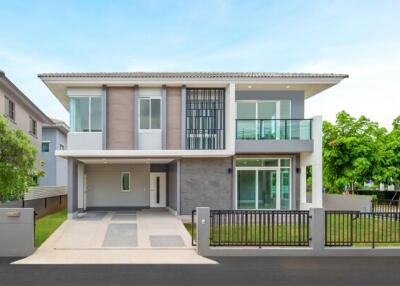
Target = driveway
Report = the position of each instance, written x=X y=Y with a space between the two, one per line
x=146 y=236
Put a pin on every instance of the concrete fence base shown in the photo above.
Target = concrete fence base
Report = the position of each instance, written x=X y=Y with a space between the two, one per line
x=316 y=248
x=16 y=232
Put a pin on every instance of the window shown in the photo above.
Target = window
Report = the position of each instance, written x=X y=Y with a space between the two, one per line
x=125 y=182
x=45 y=147
x=86 y=114
x=9 y=109
x=263 y=119
x=150 y=113
x=62 y=147
x=263 y=183
x=32 y=126
x=205 y=118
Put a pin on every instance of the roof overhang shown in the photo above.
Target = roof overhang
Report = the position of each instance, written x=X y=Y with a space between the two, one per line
x=23 y=99
x=311 y=84
x=142 y=154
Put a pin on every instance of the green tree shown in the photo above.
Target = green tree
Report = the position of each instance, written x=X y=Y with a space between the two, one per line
x=352 y=149
x=389 y=170
x=17 y=162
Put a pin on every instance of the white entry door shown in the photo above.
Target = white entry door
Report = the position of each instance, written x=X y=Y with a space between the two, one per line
x=158 y=196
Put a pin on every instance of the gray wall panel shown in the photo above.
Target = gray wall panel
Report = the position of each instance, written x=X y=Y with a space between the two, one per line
x=296 y=98
x=205 y=182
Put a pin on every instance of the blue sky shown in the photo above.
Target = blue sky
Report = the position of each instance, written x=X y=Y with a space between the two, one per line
x=360 y=38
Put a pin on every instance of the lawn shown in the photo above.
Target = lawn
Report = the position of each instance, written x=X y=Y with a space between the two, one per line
x=45 y=226
x=342 y=230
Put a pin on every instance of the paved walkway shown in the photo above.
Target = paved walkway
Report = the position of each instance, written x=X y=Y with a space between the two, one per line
x=150 y=236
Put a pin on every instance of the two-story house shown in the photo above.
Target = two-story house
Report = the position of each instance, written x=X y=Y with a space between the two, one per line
x=188 y=139
x=22 y=113
x=54 y=137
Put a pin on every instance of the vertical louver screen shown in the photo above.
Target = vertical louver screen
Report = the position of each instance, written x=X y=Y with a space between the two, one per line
x=205 y=118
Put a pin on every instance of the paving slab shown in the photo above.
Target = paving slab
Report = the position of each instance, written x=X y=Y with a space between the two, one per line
x=121 y=235
x=166 y=241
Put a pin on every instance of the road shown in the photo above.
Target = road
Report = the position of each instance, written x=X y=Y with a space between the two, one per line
x=230 y=271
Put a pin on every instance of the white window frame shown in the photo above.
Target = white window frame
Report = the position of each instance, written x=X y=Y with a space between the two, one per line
x=129 y=178
x=33 y=123
x=90 y=111
x=277 y=169
x=41 y=147
x=7 y=108
x=277 y=111
x=149 y=130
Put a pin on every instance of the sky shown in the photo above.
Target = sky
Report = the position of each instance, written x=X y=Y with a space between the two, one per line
x=359 y=38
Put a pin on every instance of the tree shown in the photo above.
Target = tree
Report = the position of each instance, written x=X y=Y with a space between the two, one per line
x=389 y=172
x=17 y=162
x=352 y=149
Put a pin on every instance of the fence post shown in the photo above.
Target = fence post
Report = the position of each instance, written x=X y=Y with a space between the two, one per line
x=317 y=229
x=203 y=230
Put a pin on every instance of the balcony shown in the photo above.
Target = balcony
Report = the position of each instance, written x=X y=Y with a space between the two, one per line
x=273 y=135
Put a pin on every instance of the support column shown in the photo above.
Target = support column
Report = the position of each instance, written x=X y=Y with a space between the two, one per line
x=317 y=229
x=317 y=162
x=80 y=186
x=72 y=187
x=203 y=230
x=164 y=118
x=183 y=119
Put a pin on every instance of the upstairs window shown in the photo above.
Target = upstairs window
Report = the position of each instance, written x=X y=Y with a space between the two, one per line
x=86 y=113
x=45 y=147
x=9 y=109
x=32 y=126
x=150 y=113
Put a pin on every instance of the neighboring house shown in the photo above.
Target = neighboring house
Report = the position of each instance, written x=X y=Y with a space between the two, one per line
x=22 y=113
x=54 y=137
x=183 y=140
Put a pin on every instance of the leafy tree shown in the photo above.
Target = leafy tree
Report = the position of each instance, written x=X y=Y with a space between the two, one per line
x=17 y=162
x=389 y=171
x=352 y=149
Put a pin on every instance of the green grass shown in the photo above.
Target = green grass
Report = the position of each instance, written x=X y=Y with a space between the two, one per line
x=45 y=226
x=364 y=230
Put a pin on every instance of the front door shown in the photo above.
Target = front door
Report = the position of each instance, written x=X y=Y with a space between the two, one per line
x=158 y=195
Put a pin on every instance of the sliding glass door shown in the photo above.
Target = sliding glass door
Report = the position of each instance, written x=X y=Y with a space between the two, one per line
x=263 y=184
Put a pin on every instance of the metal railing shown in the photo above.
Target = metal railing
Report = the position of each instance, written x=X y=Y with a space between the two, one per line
x=347 y=228
x=382 y=205
x=259 y=228
x=274 y=129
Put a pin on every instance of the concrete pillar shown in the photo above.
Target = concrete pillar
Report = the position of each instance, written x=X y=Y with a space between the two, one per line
x=317 y=229
x=203 y=230
x=80 y=185
x=317 y=162
x=230 y=118
x=72 y=187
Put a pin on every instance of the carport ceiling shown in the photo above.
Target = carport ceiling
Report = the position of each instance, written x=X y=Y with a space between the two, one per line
x=125 y=161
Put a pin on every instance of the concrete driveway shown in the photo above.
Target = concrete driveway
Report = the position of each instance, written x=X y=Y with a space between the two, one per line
x=146 y=236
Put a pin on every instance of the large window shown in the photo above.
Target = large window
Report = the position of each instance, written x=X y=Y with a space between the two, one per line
x=150 y=113
x=263 y=183
x=205 y=118
x=262 y=119
x=9 y=109
x=86 y=114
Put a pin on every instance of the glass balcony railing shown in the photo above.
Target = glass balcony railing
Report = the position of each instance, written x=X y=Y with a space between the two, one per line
x=273 y=129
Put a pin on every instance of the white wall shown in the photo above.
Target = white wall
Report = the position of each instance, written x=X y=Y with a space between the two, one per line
x=85 y=141
x=104 y=185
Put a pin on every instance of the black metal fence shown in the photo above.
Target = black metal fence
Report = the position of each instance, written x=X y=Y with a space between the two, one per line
x=349 y=228
x=259 y=228
x=382 y=205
